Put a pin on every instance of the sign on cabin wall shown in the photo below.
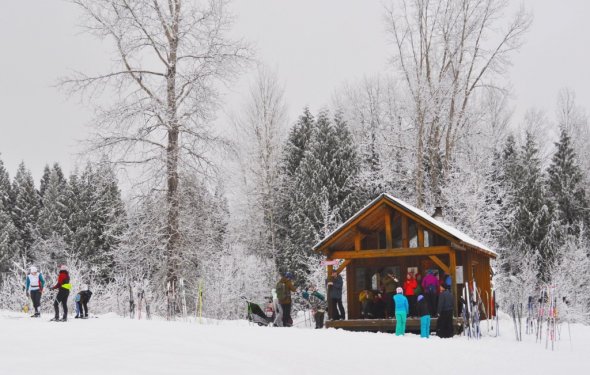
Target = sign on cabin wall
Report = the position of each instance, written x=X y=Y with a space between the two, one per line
x=333 y=262
x=459 y=274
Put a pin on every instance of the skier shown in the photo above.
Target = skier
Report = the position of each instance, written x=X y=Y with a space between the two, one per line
x=85 y=295
x=335 y=284
x=424 y=314
x=284 y=288
x=401 y=311
x=64 y=286
x=34 y=287
x=445 y=313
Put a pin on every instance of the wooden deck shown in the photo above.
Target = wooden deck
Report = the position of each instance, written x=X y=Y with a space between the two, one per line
x=385 y=325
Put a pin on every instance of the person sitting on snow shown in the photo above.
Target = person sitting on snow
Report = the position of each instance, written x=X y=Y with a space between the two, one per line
x=34 y=288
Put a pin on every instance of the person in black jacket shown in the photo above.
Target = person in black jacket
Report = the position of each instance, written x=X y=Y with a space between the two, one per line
x=424 y=314
x=335 y=284
x=445 y=313
x=85 y=295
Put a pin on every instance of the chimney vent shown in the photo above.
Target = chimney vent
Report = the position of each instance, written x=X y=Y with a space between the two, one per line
x=438 y=213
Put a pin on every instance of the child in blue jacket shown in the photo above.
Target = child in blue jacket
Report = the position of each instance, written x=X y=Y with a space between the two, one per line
x=402 y=308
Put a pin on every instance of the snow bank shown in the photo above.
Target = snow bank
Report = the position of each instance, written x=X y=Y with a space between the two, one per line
x=113 y=345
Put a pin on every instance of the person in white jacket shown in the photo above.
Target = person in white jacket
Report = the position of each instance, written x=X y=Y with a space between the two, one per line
x=34 y=287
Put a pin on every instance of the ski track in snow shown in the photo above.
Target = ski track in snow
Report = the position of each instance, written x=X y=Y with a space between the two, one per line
x=113 y=345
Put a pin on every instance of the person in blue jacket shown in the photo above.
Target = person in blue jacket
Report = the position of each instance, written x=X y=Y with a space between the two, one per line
x=402 y=308
x=34 y=287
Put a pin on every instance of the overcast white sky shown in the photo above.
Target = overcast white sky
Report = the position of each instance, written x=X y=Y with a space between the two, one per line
x=315 y=45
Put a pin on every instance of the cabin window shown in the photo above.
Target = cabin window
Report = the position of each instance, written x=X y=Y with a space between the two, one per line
x=413 y=233
x=382 y=240
x=372 y=241
x=396 y=229
x=439 y=241
x=427 y=238
x=361 y=274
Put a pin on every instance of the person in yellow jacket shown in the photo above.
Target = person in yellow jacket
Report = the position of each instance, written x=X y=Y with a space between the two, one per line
x=63 y=285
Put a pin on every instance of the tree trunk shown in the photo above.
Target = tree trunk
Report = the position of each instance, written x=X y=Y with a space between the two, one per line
x=172 y=156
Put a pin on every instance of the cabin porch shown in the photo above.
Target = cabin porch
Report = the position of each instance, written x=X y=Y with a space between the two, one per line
x=387 y=325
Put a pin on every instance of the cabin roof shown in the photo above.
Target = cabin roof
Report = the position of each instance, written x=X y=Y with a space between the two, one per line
x=459 y=236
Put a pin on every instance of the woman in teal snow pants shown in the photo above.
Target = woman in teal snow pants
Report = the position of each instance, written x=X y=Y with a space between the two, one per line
x=401 y=312
x=424 y=313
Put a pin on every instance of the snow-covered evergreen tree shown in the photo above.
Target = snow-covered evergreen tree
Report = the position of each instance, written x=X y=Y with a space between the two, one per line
x=323 y=191
x=566 y=185
x=8 y=239
x=5 y=187
x=44 y=180
x=25 y=210
x=530 y=210
x=54 y=214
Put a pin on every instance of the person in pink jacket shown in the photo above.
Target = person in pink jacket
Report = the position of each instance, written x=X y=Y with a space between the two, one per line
x=430 y=286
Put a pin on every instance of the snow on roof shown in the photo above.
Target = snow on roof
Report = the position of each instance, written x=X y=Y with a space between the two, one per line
x=462 y=237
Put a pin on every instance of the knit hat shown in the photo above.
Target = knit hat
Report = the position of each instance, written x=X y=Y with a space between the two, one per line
x=420 y=297
x=63 y=267
x=399 y=290
x=33 y=269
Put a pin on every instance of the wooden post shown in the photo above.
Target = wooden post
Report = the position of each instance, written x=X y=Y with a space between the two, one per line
x=357 y=241
x=420 y=230
x=468 y=266
x=329 y=278
x=388 y=234
x=405 y=233
x=453 y=273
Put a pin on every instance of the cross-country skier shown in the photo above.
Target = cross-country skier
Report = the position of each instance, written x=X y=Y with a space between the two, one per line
x=63 y=285
x=85 y=295
x=34 y=287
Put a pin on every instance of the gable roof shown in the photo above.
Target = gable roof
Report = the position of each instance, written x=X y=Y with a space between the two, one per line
x=459 y=236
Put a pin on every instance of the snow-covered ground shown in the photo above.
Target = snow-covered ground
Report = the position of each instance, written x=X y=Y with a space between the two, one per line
x=113 y=345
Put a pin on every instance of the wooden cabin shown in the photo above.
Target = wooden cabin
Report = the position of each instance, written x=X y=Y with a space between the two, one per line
x=389 y=235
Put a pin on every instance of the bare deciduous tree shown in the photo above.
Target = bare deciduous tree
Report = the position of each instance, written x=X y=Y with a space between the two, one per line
x=169 y=58
x=262 y=129
x=445 y=51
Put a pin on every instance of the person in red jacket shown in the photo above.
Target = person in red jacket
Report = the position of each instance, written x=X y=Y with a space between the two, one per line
x=409 y=285
x=63 y=285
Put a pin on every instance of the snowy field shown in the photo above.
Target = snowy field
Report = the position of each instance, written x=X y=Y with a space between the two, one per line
x=112 y=345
